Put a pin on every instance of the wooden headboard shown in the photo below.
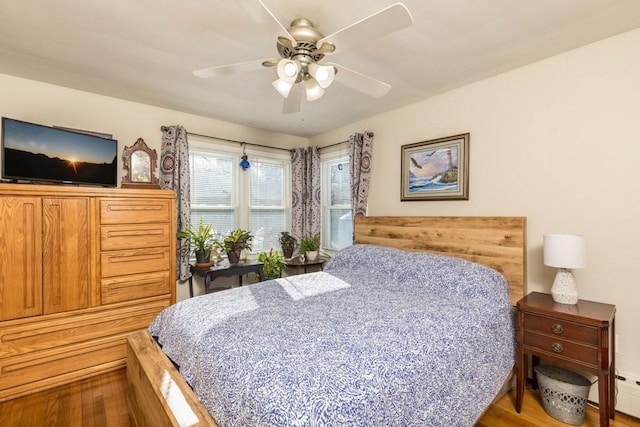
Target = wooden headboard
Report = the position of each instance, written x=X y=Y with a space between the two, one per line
x=497 y=242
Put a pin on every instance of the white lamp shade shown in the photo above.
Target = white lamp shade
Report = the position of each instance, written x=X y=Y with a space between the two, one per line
x=313 y=89
x=323 y=74
x=288 y=70
x=565 y=250
x=282 y=87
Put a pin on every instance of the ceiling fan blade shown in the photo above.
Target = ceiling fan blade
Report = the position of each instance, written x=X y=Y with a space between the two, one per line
x=232 y=68
x=271 y=62
x=260 y=13
x=360 y=82
x=383 y=22
x=291 y=104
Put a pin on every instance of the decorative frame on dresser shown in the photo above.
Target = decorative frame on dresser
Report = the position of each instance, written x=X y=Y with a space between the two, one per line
x=80 y=269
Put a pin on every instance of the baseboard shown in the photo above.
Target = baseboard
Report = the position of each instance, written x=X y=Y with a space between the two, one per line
x=627 y=395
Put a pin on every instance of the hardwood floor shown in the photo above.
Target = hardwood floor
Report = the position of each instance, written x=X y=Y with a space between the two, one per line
x=101 y=402
x=503 y=414
x=96 y=402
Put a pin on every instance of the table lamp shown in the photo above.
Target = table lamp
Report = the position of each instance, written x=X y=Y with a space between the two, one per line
x=564 y=251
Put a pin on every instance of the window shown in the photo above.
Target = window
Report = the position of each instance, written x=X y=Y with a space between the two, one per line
x=337 y=223
x=268 y=215
x=227 y=197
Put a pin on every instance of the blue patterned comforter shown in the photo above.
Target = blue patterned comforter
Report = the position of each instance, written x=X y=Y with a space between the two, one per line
x=381 y=337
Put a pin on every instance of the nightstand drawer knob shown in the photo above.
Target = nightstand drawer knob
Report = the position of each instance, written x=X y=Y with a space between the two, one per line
x=557 y=347
x=557 y=329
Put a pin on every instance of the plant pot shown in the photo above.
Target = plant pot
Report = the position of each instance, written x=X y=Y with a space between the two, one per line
x=311 y=255
x=234 y=257
x=201 y=257
x=287 y=253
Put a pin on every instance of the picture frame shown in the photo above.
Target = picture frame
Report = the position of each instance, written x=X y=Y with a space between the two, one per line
x=436 y=169
x=140 y=163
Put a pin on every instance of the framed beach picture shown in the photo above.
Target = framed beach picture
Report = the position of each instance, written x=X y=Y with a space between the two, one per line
x=436 y=170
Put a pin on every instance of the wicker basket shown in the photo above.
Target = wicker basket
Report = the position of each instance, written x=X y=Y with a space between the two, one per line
x=563 y=393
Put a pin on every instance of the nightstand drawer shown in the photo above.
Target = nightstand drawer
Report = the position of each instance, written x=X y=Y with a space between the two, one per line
x=567 y=349
x=560 y=329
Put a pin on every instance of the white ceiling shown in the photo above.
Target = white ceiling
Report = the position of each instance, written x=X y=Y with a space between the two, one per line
x=145 y=50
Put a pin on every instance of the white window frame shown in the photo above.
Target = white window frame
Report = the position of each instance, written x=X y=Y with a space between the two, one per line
x=327 y=160
x=241 y=195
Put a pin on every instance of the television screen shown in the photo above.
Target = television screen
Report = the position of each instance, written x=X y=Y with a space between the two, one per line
x=34 y=152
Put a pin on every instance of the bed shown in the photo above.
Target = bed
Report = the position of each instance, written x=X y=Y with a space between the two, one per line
x=382 y=337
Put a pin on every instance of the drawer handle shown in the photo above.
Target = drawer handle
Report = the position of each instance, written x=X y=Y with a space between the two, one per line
x=557 y=347
x=557 y=329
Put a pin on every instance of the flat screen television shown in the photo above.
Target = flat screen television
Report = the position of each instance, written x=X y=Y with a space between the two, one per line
x=38 y=153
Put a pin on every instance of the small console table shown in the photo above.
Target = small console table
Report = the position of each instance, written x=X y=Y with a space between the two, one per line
x=225 y=270
x=580 y=336
x=295 y=264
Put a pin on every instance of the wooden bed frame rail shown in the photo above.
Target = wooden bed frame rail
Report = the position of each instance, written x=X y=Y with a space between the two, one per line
x=156 y=393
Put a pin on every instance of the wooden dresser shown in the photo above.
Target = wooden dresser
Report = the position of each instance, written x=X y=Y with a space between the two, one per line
x=80 y=269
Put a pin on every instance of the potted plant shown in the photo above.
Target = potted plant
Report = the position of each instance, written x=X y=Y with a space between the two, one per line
x=288 y=243
x=310 y=246
x=234 y=243
x=274 y=264
x=200 y=240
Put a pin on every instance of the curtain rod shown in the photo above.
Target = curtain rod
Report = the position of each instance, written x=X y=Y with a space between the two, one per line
x=163 y=128
x=333 y=145
x=239 y=142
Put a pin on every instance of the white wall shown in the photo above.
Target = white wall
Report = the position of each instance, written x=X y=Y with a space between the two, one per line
x=127 y=121
x=557 y=141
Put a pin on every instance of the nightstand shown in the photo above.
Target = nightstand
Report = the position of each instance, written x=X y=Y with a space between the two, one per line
x=580 y=336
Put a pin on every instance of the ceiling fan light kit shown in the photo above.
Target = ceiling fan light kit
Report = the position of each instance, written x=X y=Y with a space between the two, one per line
x=282 y=87
x=312 y=88
x=288 y=70
x=302 y=46
x=324 y=74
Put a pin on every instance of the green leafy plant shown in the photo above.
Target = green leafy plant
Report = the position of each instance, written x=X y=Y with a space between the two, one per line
x=235 y=242
x=287 y=243
x=199 y=239
x=310 y=243
x=274 y=264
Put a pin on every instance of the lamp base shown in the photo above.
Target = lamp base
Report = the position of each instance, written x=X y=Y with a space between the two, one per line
x=564 y=290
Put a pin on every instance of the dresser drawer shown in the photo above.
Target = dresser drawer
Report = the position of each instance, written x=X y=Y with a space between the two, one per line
x=133 y=236
x=72 y=346
x=120 y=263
x=59 y=331
x=560 y=329
x=135 y=286
x=563 y=348
x=134 y=211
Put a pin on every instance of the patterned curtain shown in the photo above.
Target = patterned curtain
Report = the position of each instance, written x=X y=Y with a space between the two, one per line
x=305 y=177
x=174 y=175
x=360 y=151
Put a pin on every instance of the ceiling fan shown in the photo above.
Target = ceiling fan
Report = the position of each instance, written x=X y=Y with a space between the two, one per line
x=302 y=47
